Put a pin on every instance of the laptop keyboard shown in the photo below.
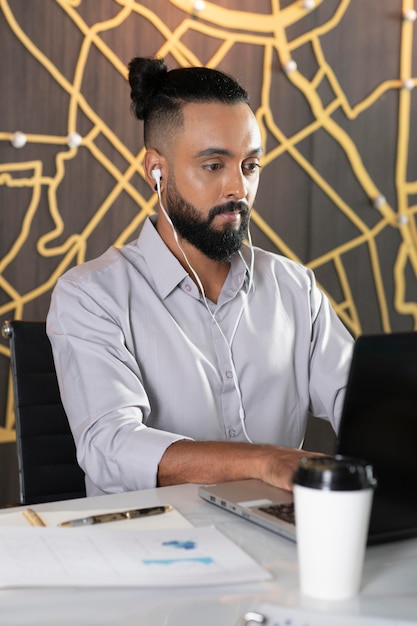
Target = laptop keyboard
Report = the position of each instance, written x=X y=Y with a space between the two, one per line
x=282 y=511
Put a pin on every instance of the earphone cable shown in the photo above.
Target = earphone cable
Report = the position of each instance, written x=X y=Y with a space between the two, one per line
x=246 y=298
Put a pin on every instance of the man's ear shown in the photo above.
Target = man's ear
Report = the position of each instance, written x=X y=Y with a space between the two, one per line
x=154 y=161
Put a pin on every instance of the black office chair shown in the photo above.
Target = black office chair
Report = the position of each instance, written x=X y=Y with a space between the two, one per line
x=48 y=468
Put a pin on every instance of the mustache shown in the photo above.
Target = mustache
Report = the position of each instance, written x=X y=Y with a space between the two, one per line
x=228 y=207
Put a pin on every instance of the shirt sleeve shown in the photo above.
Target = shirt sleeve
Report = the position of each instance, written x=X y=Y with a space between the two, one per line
x=330 y=356
x=103 y=394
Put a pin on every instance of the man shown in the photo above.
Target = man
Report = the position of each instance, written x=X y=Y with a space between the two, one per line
x=188 y=356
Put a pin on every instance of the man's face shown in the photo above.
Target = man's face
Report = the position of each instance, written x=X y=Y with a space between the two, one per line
x=213 y=177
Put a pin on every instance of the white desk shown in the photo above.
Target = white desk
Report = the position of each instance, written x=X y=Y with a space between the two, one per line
x=389 y=581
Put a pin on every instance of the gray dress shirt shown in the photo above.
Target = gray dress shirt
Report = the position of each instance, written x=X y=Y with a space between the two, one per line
x=142 y=362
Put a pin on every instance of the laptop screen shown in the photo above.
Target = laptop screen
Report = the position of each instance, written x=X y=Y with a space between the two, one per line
x=379 y=424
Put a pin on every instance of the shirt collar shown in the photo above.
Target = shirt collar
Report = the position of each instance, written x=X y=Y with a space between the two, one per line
x=167 y=271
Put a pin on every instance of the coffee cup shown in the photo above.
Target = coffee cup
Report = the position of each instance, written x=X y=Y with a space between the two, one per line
x=333 y=500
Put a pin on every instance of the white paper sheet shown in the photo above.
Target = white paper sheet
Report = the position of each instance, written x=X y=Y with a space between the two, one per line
x=57 y=557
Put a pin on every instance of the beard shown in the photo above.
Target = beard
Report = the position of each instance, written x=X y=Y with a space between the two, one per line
x=219 y=245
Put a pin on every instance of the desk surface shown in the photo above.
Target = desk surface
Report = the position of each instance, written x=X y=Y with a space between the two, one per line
x=389 y=589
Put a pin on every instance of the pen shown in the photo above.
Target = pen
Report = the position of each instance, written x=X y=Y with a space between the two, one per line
x=33 y=518
x=115 y=517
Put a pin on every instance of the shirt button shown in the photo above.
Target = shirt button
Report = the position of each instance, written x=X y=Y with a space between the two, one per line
x=229 y=374
x=188 y=288
x=232 y=432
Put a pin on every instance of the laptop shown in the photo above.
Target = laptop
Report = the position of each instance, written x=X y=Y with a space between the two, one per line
x=379 y=425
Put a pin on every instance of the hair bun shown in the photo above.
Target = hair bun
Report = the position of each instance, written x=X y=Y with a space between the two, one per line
x=145 y=76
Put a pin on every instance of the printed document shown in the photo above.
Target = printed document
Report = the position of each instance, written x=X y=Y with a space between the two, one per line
x=80 y=557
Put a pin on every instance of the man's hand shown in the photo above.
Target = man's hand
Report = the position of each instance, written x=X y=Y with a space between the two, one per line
x=281 y=464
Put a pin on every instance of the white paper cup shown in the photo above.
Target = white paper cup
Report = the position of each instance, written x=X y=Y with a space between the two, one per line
x=333 y=500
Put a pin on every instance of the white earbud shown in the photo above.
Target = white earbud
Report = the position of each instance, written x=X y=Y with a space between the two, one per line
x=156 y=174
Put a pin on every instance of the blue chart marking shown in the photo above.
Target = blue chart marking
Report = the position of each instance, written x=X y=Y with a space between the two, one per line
x=204 y=560
x=180 y=545
x=184 y=545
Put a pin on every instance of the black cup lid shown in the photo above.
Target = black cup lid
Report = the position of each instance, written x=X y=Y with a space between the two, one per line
x=334 y=473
